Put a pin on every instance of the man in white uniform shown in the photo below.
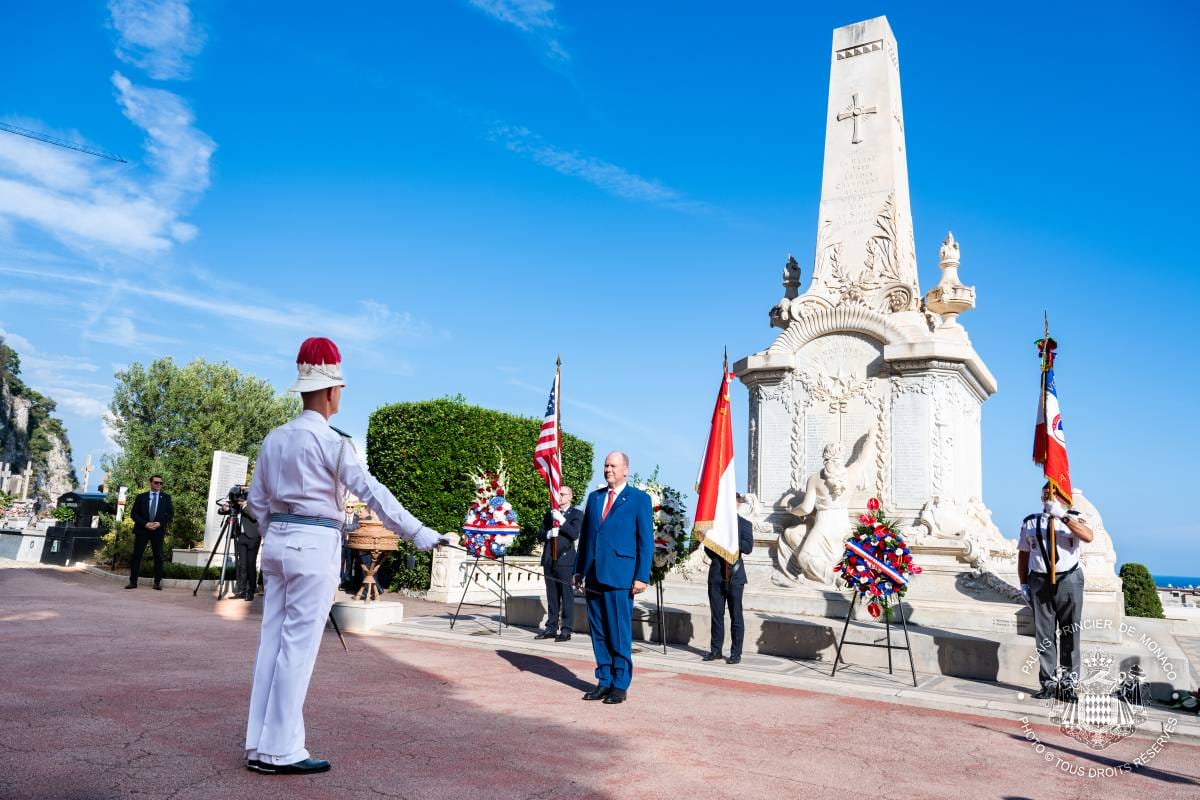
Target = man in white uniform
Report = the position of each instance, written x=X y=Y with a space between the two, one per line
x=303 y=471
x=1057 y=604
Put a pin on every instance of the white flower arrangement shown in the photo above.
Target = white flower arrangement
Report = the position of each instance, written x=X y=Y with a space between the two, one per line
x=672 y=542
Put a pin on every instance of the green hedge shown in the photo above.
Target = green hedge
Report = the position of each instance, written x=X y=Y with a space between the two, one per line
x=424 y=451
x=1141 y=596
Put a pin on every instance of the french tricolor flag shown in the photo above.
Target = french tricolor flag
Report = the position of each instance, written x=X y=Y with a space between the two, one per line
x=1049 y=443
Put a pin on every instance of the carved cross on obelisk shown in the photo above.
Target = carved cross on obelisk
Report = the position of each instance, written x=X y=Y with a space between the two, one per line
x=853 y=113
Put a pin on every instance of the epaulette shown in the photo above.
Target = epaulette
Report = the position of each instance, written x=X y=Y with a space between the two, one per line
x=1031 y=516
x=340 y=432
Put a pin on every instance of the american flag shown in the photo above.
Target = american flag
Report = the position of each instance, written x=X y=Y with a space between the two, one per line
x=547 y=452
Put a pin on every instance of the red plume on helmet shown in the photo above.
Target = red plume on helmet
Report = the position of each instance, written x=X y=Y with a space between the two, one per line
x=318 y=350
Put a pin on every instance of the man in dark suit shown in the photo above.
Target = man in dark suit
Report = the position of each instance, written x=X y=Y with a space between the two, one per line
x=246 y=555
x=725 y=587
x=559 y=532
x=616 y=548
x=151 y=515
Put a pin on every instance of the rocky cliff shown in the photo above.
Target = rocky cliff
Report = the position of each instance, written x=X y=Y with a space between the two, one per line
x=29 y=433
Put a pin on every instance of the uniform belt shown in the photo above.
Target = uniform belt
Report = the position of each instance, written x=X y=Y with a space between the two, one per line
x=300 y=519
x=1058 y=575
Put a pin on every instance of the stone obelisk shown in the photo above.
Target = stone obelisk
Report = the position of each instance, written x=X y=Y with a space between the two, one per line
x=864 y=233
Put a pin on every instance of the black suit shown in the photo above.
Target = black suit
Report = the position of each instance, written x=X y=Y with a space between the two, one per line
x=246 y=553
x=559 y=596
x=163 y=513
x=725 y=587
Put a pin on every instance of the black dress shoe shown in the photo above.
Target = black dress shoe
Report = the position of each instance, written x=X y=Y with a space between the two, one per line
x=614 y=697
x=599 y=693
x=131 y=586
x=158 y=587
x=308 y=766
x=249 y=598
x=733 y=660
x=545 y=635
x=563 y=637
x=1047 y=693
x=712 y=655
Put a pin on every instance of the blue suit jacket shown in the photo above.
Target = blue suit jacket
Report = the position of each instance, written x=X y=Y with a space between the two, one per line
x=620 y=549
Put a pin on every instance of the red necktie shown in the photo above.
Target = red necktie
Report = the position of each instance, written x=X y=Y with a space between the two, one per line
x=608 y=505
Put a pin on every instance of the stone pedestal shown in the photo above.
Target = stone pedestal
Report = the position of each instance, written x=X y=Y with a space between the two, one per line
x=451 y=570
x=362 y=616
x=195 y=557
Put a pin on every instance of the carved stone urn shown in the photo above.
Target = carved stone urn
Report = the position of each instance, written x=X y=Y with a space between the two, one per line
x=375 y=539
x=950 y=298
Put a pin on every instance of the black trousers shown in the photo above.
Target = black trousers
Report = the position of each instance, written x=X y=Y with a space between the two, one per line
x=155 y=538
x=720 y=596
x=246 y=553
x=560 y=599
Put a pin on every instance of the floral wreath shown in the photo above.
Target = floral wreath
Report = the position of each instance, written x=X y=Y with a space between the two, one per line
x=671 y=541
x=877 y=561
x=491 y=524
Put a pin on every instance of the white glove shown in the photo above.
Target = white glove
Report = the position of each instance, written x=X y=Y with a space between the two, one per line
x=1056 y=510
x=427 y=539
x=1028 y=594
x=552 y=533
x=558 y=516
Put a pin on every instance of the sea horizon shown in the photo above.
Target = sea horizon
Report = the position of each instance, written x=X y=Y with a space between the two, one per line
x=1176 y=581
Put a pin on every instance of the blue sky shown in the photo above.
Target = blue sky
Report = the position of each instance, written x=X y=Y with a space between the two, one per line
x=458 y=191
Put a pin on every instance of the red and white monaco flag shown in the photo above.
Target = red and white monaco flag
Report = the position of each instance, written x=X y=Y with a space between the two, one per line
x=716 y=510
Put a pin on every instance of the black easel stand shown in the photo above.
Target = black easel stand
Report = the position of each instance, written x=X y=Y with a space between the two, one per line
x=888 y=633
x=662 y=617
x=503 y=594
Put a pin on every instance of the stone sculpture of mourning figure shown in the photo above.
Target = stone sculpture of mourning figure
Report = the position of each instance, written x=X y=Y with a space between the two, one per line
x=809 y=550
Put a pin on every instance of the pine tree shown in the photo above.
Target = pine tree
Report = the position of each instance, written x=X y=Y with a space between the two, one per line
x=1141 y=596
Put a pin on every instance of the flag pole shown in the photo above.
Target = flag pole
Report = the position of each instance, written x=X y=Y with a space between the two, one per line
x=1053 y=544
x=554 y=501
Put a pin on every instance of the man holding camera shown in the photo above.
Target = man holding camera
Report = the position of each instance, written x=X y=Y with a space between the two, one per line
x=151 y=514
x=246 y=554
x=1048 y=566
x=304 y=469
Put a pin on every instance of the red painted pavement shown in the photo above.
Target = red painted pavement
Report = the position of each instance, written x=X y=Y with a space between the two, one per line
x=109 y=693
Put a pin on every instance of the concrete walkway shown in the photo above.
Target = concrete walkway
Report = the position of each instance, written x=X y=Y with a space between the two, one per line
x=110 y=694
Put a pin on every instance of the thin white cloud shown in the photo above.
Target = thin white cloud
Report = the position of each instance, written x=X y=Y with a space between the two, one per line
x=93 y=205
x=604 y=175
x=373 y=322
x=535 y=18
x=158 y=36
x=100 y=207
x=179 y=152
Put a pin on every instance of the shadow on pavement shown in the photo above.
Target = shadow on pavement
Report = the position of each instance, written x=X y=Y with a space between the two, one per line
x=546 y=668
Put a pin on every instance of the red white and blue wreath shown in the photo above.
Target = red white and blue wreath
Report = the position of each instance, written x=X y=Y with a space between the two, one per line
x=491 y=524
x=877 y=562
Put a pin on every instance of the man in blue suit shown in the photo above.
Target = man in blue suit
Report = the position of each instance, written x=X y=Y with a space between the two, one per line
x=616 y=547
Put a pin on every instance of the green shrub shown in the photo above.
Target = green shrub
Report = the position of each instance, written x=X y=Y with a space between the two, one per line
x=184 y=571
x=423 y=452
x=1141 y=596
x=63 y=514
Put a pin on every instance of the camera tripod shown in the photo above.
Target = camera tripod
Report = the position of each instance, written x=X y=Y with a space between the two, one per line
x=227 y=535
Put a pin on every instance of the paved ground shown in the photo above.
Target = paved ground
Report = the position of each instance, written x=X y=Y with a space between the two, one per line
x=112 y=694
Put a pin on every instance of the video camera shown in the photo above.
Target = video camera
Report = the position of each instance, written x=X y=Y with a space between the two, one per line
x=232 y=502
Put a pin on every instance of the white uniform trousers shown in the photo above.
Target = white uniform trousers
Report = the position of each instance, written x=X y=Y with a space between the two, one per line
x=300 y=572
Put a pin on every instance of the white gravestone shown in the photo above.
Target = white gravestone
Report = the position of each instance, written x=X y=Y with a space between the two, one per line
x=228 y=469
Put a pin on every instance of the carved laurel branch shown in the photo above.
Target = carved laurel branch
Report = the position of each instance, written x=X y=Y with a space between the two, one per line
x=882 y=472
x=881 y=248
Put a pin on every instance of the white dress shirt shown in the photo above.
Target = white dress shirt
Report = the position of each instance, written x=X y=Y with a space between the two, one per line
x=1068 y=543
x=295 y=472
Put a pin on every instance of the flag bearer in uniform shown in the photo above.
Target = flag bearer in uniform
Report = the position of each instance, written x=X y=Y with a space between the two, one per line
x=1049 y=546
x=301 y=478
